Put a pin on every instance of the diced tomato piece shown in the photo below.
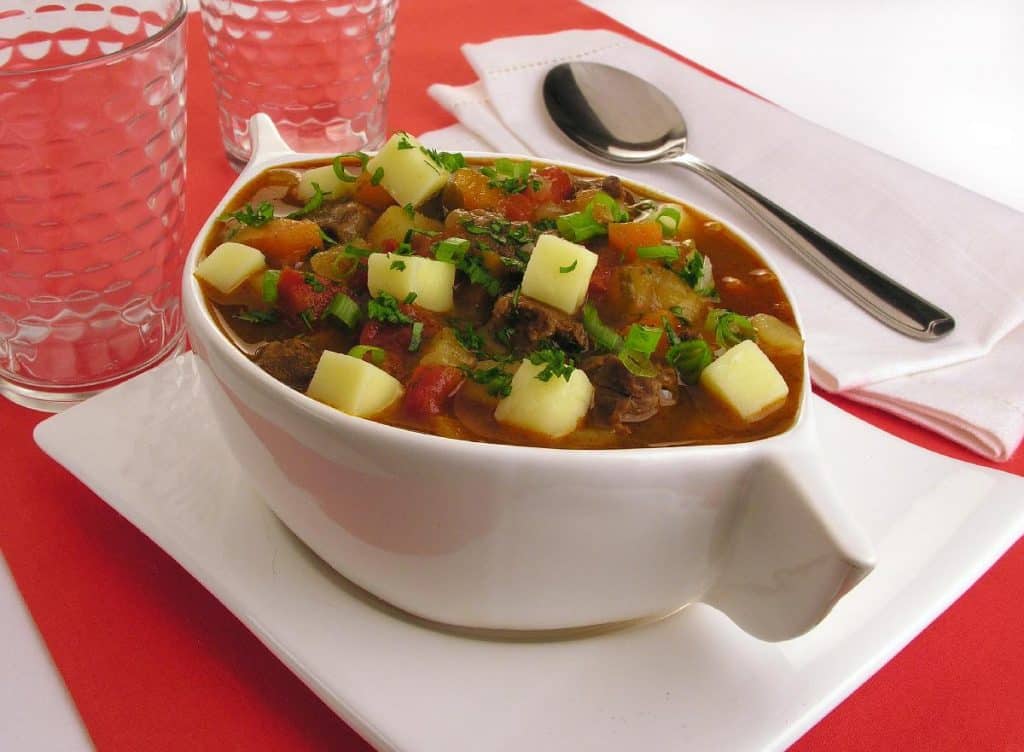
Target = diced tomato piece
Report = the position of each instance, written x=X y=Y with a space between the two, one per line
x=422 y=244
x=298 y=292
x=519 y=207
x=430 y=388
x=389 y=245
x=557 y=182
x=390 y=337
x=604 y=273
x=628 y=236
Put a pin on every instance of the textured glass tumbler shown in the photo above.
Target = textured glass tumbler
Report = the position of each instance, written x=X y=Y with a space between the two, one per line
x=318 y=68
x=92 y=170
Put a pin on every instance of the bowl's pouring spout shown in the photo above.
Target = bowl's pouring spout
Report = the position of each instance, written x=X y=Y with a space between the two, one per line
x=266 y=139
x=792 y=551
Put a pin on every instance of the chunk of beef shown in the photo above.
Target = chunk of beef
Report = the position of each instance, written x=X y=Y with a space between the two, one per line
x=505 y=237
x=622 y=397
x=613 y=187
x=534 y=322
x=344 y=220
x=292 y=361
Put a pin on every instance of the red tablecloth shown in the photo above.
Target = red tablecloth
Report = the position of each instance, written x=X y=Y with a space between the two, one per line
x=154 y=662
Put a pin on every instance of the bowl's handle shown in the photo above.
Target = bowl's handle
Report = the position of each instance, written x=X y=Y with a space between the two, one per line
x=265 y=138
x=792 y=550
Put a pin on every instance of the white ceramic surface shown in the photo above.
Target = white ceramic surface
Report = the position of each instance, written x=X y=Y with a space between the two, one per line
x=507 y=537
x=153 y=450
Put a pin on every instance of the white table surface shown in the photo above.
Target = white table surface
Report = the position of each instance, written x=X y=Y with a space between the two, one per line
x=937 y=83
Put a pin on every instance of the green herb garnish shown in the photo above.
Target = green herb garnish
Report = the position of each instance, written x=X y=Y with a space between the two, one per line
x=730 y=328
x=496 y=380
x=569 y=268
x=555 y=363
x=377 y=354
x=398 y=265
x=268 y=287
x=689 y=358
x=247 y=215
x=311 y=281
x=254 y=316
x=603 y=336
x=417 y=336
x=510 y=176
x=377 y=176
x=314 y=203
x=384 y=308
x=450 y=161
x=343 y=308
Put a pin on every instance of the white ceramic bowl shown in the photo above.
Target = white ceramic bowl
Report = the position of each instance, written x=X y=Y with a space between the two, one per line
x=510 y=537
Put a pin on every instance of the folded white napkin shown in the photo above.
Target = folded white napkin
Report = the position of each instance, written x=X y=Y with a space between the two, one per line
x=957 y=249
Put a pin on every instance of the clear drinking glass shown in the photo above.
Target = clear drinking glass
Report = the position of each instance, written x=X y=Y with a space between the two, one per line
x=318 y=68
x=92 y=170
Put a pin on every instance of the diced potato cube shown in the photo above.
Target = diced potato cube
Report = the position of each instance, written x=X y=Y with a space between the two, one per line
x=553 y=408
x=395 y=222
x=409 y=174
x=558 y=273
x=352 y=385
x=330 y=184
x=431 y=280
x=745 y=380
x=229 y=265
x=775 y=336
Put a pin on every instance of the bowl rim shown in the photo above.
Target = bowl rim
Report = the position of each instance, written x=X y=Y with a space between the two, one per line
x=333 y=419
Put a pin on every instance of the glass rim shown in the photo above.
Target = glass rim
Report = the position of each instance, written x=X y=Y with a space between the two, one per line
x=168 y=28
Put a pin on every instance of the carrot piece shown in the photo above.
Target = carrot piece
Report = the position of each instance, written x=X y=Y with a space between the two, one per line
x=628 y=236
x=285 y=242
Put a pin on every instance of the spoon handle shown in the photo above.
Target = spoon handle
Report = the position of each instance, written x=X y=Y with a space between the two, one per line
x=878 y=294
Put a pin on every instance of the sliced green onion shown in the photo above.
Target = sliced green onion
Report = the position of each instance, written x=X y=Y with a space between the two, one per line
x=669 y=218
x=451 y=250
x=377 y=176
x=343 y=308
x=689 y=358
x=698 y=274
x=269 y=286
x=602 y=335
x=642 y=339
x=377 y=354
x=579 y=227
x=601 y=198
x=666 y=252
x=340 y=172
x=568 y=268
x=730 y=328
x=417 y=336
x=638 y=363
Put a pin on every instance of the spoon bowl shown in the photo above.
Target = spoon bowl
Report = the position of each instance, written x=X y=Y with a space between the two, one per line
x=621 y=118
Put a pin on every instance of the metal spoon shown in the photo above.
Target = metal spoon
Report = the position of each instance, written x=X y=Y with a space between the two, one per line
x=621 y=118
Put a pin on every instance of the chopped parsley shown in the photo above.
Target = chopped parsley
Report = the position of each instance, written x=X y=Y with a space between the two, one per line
x=247 y=215
x=385 y=308
x=696 y=272
x=502 y=231
x=313 y=282
x=513 y=262
x=409 y=211
x=510 y=176
x=473 y=268
x=450 y=161
x=404 y=142
x=470 y=340
x=377 y=176
x=314 y=203
x=569 y=268
x=399 y=265
x=254 y=316
x=555 y=363
x=543 y=225
x=307 y=318
x=451 y=250
x=496 y=380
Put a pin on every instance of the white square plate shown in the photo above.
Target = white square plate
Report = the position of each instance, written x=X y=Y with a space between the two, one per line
x=150 y=449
